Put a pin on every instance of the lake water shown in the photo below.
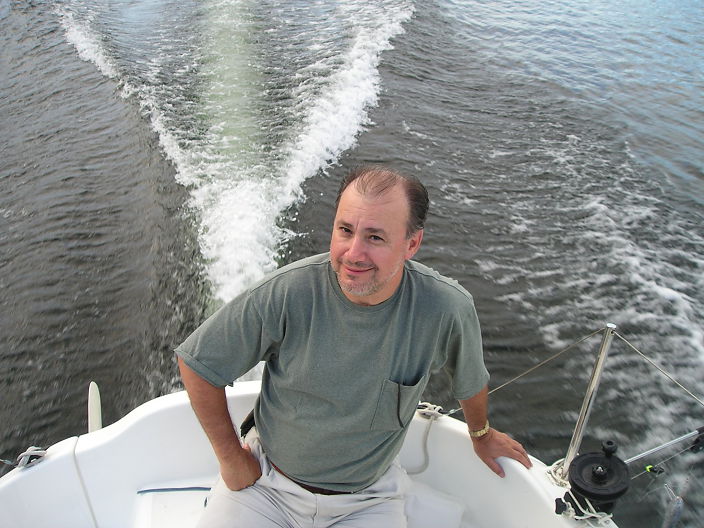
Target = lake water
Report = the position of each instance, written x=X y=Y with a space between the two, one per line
x=158 y=156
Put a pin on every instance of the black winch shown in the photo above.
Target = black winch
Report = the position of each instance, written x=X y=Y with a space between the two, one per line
x=599 y=477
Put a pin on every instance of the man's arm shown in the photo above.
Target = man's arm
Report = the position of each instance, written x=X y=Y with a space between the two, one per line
x=238 y=467
x=494 y=443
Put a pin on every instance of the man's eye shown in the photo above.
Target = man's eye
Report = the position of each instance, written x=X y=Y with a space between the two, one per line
x=376 y=238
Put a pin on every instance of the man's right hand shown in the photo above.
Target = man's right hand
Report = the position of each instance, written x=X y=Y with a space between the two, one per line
x=241 y=471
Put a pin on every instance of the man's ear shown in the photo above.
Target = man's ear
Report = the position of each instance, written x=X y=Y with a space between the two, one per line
x=414 y=244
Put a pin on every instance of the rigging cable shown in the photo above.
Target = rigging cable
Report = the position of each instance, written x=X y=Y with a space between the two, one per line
x=548 y=360
x=672 y=379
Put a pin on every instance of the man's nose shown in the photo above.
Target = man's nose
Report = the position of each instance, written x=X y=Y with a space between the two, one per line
x=357 y=248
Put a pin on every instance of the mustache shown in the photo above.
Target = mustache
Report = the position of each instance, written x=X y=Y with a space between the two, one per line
x=357 y=265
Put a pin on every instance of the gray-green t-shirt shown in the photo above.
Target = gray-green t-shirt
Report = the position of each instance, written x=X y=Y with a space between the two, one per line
x=341 y=381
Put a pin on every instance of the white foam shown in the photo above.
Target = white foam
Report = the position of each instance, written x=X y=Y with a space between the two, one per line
x=240 y=236
x=237 y=191
x=615 y=253
x=86 y=42
x=340 y=112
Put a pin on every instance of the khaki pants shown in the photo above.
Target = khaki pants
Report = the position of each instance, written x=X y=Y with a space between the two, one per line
x=275 y=501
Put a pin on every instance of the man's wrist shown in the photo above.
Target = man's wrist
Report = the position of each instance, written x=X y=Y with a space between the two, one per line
x=478 y=434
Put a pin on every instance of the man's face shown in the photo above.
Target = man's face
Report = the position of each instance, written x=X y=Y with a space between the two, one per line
x=369 y=246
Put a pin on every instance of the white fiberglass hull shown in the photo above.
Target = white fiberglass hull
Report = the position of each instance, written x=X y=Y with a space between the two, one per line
x=153 y=468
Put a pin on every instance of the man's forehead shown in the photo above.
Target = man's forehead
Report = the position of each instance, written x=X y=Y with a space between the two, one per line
x=373 y=215
x=393 y=197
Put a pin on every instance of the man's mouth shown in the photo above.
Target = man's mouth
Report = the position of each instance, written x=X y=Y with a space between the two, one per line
x=357 y=270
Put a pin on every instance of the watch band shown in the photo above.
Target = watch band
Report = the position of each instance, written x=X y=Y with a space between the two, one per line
x=480 y=432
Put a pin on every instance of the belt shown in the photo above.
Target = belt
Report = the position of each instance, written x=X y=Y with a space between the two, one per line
x=248 y=424
x=312 y=489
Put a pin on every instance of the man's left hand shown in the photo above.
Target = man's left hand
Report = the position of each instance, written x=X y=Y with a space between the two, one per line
x=495 y=444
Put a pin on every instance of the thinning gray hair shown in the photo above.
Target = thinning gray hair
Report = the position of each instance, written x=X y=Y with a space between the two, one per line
x=376 y=181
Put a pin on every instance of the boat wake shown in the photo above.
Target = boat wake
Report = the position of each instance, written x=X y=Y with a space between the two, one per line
x=248 y=102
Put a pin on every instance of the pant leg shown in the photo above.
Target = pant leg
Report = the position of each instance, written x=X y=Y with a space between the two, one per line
x=272 y=502
x=248 y=508
x=381 y=505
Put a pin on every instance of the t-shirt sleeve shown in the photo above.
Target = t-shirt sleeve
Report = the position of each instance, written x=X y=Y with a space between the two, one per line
x=465 y=358
x=229 y=343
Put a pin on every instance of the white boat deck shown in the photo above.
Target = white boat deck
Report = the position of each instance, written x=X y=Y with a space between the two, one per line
x=154 y=467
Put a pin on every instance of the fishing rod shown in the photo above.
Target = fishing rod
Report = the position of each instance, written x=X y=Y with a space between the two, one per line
x=676 y=505
x=697 y=445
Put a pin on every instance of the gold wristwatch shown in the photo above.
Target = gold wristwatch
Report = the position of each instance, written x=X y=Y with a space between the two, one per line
x=480 y=432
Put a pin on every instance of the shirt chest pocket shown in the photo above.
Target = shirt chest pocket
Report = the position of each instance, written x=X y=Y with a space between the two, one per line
x=396 y=405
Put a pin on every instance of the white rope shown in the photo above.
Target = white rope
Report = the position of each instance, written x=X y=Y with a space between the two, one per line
x=600 y=518
x=30 y=456
x=555 y=472
x=432 y=413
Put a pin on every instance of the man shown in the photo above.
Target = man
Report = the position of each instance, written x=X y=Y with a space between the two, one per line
x=349 y=339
